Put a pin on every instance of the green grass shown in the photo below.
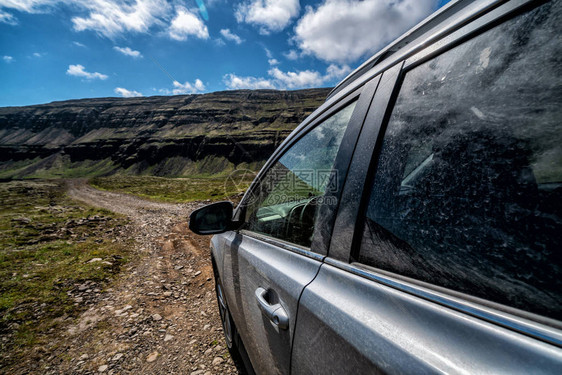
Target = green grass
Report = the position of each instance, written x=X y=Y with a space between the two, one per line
x=46 y=241
x=56 y=166
x=175 y=189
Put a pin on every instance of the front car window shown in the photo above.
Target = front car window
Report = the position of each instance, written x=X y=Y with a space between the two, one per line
x=468 y=191
x=285 y=202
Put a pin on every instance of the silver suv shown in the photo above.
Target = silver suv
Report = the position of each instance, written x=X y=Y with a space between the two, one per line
x=412 y=223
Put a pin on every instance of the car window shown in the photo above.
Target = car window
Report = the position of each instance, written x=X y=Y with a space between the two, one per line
x=285 y=202
x=468 y=190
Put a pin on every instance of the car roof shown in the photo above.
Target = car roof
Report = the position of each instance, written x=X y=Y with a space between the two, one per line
x=447 y=19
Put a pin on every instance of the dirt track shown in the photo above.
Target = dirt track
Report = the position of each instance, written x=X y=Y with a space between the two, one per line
x=160 y=317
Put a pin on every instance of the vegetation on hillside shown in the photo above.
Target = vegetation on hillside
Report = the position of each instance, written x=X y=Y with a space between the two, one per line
x=177 y=189
x=50 y=246
x=172 y=136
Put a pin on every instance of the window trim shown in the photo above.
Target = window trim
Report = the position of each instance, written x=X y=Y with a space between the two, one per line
x=351 y=194
x=298 y=249
x=530 y=324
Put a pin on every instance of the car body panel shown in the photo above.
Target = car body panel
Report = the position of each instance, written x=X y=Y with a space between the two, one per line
x=251 y=263
x=350 y=324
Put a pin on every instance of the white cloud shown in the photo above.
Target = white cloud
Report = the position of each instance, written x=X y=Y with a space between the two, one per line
x=270 y=59
x=228 y=35
x=268 y=53
x=286 y=80
x=29 y=6
x=337 y=72
x=78 y=71
x=291 y=55
x=111 y=18
x=8 y=59
x=128 y=52
x=8 y=18
x=38 y=54
x=268 y=15
x=234 y=82
x=79 y=44
x=345 y=30
x=188 y=88
x=187 y=24
x=127 y=93
x=291 y=80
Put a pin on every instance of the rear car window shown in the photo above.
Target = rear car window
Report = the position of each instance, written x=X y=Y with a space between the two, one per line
x=285 y=202
x=468 y=190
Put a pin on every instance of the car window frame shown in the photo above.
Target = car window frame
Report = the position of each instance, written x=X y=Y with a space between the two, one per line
x=363 y=96
x=343 y=252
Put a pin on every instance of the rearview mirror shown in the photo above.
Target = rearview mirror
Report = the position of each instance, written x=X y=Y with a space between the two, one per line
x=212 y=219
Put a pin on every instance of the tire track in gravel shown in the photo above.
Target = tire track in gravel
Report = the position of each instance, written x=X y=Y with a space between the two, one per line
x=160 y=315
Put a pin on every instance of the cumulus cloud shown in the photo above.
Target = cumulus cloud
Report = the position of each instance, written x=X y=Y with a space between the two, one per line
x=337 y=72
x=109 y=18
x=286 y=80
x=188 y=88
x=79 y=71
x=186 y=24
x=234 y=82
x=128 y=52
x=127 y=93
x=270 y=59
x=113 y=18
x=228 y=35
x=78 y=44
x=7 y=59
x=268 y=15
x=291 y=55
x=8 y=18
x=291 y=80
x=345 y=30
x=38 y=54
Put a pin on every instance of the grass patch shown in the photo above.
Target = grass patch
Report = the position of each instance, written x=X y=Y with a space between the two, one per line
x=176 y=189
x=46 y=243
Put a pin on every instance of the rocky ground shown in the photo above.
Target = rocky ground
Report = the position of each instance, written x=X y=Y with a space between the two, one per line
x=159 y=317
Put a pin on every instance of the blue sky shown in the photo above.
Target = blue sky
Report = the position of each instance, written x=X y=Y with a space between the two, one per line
x=62 y=49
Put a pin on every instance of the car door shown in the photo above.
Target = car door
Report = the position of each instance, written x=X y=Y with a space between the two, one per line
x=266 y=265
x=445 y=254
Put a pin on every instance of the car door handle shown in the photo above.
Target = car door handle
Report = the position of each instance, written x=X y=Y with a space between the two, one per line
x=276 y=313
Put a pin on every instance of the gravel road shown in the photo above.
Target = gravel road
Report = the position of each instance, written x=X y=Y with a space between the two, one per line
x=160 y=316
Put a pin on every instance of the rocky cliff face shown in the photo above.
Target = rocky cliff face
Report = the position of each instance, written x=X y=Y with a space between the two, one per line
x=164 y=136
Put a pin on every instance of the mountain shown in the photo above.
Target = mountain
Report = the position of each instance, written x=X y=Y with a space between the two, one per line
x=204 y=134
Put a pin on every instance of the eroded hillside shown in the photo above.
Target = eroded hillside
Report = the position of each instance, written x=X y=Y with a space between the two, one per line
x=163 y=136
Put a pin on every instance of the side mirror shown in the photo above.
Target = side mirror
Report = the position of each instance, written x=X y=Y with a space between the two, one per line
x=212 y=219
